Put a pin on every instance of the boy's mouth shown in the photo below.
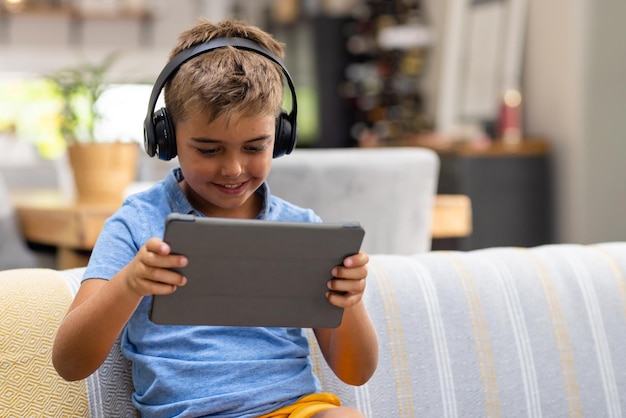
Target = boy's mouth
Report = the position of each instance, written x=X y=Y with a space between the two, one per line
x=232 y=186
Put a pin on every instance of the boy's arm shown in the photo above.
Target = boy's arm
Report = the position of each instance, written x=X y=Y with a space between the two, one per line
x=351 y=350
x=89 y=329
x=102 y=308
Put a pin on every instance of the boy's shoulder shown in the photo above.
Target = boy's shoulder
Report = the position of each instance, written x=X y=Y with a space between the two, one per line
x=163 y=196
x=152 y=198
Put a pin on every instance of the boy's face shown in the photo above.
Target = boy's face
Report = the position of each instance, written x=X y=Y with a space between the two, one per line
x=224 y=164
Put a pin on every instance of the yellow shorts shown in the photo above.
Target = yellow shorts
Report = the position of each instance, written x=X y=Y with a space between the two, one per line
x=307 y=406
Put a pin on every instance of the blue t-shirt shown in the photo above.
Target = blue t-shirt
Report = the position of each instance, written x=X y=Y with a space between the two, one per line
x=199 y=370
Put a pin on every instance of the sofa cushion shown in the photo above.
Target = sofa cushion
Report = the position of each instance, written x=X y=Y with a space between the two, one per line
x=496 y=332
x=390 y=191
x=32 y=304
x=109 y=389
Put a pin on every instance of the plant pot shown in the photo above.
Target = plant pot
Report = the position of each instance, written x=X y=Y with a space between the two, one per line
x=102 y=171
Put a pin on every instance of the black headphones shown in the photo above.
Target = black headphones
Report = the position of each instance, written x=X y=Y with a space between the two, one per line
x=158 y=129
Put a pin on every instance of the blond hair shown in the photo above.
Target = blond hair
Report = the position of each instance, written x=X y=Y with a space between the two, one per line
x=225 y=81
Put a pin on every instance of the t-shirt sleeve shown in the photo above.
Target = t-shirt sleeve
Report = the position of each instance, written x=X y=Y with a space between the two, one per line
x=119 y=241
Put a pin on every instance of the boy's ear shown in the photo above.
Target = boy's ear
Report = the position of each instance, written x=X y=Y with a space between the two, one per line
x=286 y=135
x=160 y=136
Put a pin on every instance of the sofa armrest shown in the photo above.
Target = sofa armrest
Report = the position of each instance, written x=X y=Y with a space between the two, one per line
x=32 y=304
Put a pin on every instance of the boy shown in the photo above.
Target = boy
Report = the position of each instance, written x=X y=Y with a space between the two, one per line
x=224 y=110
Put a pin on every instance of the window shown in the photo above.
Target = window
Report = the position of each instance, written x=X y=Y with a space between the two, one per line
x=29 y=105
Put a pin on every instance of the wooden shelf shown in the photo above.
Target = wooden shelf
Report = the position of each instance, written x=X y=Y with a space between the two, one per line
x=496 y=148
x=121 y=14
x=77 y=17
x=78 y=12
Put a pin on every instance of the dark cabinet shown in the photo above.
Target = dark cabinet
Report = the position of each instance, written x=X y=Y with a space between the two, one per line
x=510 y=190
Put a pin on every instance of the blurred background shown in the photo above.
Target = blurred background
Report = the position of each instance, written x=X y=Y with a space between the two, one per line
x=443 y=74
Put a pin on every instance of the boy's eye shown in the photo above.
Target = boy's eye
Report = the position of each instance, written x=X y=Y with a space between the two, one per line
x=207 y=151
x=248 y=148
x=256 y=148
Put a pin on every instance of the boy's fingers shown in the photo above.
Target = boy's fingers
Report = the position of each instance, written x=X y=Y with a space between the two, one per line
x=359 y=259
x=350 y=273
x=156 y=254
x=156 y=245
x=346 y=286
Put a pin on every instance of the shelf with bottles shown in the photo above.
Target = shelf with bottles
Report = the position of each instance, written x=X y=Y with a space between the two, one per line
x=388 y=45
x=364 y=62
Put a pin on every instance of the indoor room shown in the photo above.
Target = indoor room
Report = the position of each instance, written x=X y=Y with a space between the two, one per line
x=477 y=143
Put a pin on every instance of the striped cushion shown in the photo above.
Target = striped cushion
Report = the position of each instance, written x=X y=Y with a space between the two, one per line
x=109 y=389
x=497 y=332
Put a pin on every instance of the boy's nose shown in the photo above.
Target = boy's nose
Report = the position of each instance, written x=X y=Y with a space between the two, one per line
x=232 y=167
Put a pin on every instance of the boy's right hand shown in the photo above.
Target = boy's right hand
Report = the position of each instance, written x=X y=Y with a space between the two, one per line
x=149 y=272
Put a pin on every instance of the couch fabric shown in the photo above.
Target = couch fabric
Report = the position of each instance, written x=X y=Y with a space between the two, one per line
x=390 y=191
x=496 y=332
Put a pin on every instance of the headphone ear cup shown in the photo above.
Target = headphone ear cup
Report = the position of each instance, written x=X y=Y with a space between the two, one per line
x=149 y=140
x=165 y=135
x=286 y=135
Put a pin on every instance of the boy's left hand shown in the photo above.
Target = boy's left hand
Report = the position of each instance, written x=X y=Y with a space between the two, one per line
x=347 y=287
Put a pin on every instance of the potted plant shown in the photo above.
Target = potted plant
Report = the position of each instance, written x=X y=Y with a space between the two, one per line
x=101 y=169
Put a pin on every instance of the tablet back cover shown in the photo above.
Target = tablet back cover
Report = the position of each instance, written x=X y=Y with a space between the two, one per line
x=255 y=273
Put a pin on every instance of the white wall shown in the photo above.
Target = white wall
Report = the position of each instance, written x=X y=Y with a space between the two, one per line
x=576 y=97
x=553 y=96
x=605 y=130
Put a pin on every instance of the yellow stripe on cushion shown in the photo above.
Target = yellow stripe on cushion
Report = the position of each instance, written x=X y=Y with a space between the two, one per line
x=564 y=347
x=32 y=304
x=618 y=274
x=307 y=406
x=398 y=349
x=481 y=337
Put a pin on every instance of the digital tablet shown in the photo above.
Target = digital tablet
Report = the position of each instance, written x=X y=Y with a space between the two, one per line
x=255 y=273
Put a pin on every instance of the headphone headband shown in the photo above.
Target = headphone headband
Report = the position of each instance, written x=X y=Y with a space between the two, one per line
x=179 y=59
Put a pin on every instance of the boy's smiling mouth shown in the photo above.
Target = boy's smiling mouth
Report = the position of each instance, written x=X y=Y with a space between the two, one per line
x=232 y=186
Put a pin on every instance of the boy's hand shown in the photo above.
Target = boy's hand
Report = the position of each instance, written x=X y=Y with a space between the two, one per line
x=348 y=285
x=148 y=273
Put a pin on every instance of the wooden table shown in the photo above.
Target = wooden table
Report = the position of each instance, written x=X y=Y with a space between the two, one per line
x=49 y=218
x=452 y=216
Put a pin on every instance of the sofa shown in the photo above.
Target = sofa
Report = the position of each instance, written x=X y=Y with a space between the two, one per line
x=494 y=332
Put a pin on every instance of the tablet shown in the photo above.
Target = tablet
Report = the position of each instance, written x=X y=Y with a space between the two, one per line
x=255 y=273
